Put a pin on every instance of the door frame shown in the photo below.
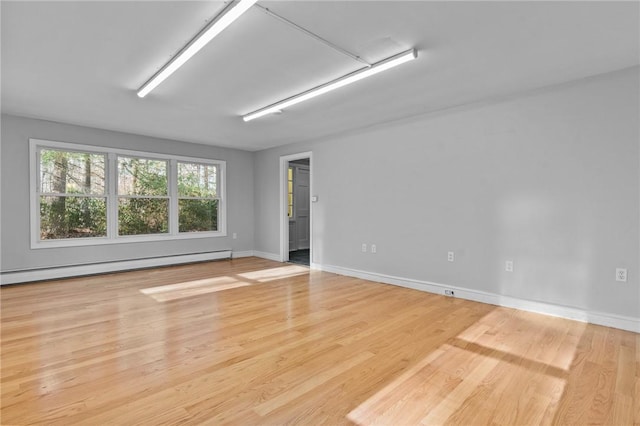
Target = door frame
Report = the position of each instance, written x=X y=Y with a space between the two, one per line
x=284 y=204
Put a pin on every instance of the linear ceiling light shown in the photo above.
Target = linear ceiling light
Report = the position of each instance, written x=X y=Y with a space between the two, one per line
x=230 y=13
x=383 y=65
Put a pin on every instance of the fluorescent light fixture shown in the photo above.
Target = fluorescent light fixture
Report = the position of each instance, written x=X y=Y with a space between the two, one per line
x=383 y=65
x=215 y=27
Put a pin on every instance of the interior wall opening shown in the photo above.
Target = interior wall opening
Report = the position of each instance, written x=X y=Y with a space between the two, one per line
x=298 y=210
x=296 y=216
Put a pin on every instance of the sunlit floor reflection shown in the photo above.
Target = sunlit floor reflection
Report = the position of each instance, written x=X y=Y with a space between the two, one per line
x=192 y=288
x=185 y=289
x=265 y=275
x=554 y=344
x=465 y=380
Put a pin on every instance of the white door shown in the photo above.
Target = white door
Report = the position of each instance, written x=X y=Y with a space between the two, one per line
x=301 y=207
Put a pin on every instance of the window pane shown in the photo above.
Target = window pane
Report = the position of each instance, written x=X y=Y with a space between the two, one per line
x=72 y=217
x=142 y=176
x=138 y=216
x=290 y=190
x=65 y=172
x=197 y=180
x=198 y=215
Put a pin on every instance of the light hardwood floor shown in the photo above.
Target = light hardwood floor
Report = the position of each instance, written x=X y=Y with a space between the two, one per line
x=250 y=342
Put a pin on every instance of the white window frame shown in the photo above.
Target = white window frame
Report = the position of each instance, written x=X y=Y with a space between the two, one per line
x=118 y=196
x=179 y=197
x=35 y=145
x=293 y=169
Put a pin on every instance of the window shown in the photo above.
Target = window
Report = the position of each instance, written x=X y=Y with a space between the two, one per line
x=143 y=196
x=290 y=191
x=83 y=195
x=73 y=202
x=197 y=197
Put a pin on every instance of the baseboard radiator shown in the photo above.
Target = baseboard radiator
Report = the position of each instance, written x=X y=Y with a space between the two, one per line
x=28 y=275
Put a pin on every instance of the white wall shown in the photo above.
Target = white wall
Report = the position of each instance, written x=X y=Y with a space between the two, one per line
x=16 y=253
x=549 y=180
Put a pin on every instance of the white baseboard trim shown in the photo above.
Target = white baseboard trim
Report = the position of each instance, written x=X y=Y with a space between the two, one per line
x=265 y=255
x=14 y=277
x=600 y=318
x=237 y=254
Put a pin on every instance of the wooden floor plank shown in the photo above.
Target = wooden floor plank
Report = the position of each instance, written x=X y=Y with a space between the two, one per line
x=250 y=341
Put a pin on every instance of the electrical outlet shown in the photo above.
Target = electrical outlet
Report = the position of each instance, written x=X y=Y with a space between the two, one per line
x=508 y=266
x=621 y=275
x=374 y=249
x=235 y=236
x=449 y=293
x=364 y=248
x=450 y=256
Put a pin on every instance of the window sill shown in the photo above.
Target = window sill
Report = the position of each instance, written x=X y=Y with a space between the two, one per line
x=35 y=245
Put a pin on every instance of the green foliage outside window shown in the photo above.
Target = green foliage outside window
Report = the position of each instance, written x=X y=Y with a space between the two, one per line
x=197 y=180
x=197 y=215
x=142 y=176
x=73 y=199
x=140 y=181
x=197 y=205
x=139 y=216
x=72 y=217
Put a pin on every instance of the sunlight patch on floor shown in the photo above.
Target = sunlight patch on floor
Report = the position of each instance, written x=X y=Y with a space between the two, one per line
x=265 y=275
x=192 y=288
x=554 y=347
x=477 y=369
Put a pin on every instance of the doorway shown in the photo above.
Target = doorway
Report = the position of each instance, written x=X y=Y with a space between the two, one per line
x=295 y=243
x=298 y=208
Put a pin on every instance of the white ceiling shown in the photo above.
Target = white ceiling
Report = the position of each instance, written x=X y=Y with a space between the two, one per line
x=80 y=62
